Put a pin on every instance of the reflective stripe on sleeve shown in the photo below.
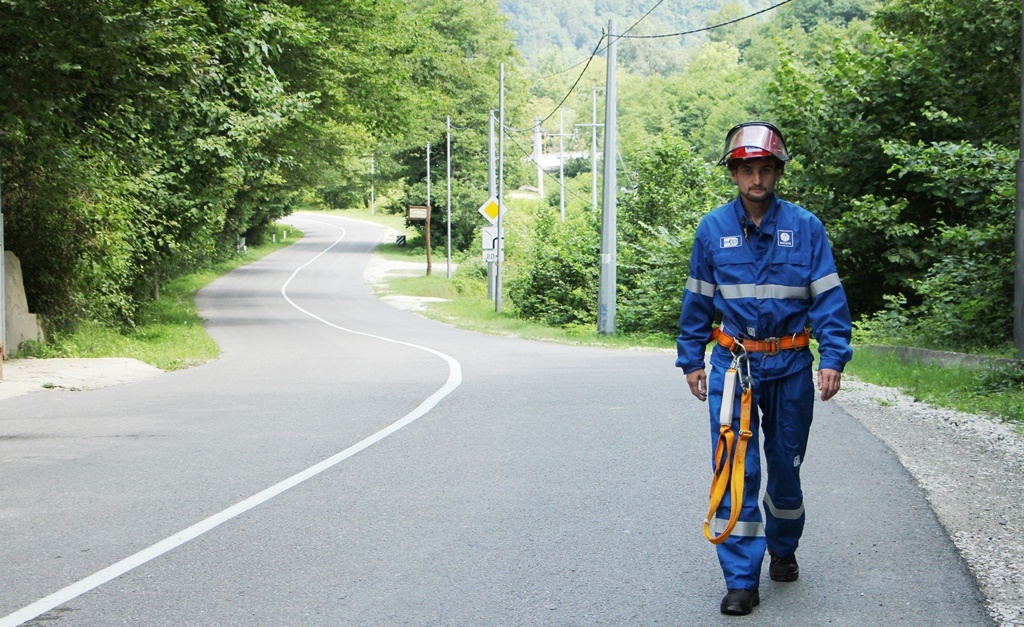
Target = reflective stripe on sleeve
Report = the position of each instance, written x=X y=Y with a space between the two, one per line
x=745 y=529
x=824 y=284
x=700 y=287
x=785 y=514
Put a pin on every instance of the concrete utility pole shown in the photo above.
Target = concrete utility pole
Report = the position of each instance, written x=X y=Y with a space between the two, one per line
x=501 y=185
x=1018 y=281
x=593 y=150
x=429 y=211
x=448 y=140
x=492 y=188
x=3 y=284
x=561 y=165
x=538 y=154
x=607 y=284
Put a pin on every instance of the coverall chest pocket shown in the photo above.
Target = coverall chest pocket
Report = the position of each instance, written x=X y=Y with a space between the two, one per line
x=790 y=266
x=732 y=265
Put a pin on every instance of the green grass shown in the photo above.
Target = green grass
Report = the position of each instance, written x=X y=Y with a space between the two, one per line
x=169 y=333
x=995 y=392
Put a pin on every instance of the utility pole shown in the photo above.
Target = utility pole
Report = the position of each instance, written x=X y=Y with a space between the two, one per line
x=593 y=149
x=607 y=284
x=372 y=190
x=448 y=140
x=492 y=188
x=3 y=281
x=430 y=210
x=501 y=185
x=561 y=165
x=1018 y=281
x=538 y=154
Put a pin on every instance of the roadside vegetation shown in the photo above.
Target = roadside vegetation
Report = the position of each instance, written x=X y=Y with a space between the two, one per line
x=141 y=143
x=169 y=333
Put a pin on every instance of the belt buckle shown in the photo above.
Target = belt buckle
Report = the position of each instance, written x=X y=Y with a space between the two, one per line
x=770 y=346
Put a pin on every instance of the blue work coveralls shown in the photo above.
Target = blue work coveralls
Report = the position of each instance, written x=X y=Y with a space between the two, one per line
x=771 y=280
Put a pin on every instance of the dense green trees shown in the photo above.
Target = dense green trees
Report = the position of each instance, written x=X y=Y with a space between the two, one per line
x=912 y=127
x=142 y=139
x=903 y=120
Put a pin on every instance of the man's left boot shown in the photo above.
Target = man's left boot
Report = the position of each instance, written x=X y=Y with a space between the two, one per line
x=740 y=602
x=784 y=568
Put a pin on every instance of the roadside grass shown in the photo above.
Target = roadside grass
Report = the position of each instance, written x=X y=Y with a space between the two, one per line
x=169 y=333
x=992 y=391
x=466 y=304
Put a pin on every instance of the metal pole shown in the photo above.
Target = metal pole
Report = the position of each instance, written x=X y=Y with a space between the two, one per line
x=3 y=284
x=448 y=139
x=372 y=190
x=561 y=167
x=1018 y=281
x=426 y=229
x=501 y=185
x=607 y=285
x=593 y=150
x=538 y=154
x=492 y=183
x=492 y=186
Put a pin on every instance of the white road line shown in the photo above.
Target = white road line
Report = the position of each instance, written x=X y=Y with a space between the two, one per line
x=116 y=570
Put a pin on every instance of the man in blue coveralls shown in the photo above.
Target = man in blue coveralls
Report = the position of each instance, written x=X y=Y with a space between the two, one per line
x=766 y=266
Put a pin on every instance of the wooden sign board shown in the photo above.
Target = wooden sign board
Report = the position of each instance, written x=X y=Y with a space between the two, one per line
x=417 y=212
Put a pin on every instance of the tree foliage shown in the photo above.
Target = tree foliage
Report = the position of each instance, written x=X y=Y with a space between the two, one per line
x=910 y=126
x=903 y=121
x=143 y=139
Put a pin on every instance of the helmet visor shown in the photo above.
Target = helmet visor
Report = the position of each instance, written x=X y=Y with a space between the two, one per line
x=754 y=137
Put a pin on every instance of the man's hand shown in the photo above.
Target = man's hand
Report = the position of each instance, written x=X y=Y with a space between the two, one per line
x=698 y=382
x=828 y=382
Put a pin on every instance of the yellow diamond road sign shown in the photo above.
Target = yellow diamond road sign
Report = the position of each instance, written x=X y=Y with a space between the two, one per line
x=491 y=209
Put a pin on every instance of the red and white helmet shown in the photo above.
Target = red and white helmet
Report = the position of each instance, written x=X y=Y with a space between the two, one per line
x=754 y=140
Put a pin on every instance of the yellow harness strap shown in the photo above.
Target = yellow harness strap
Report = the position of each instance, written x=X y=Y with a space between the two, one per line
x=730 y=464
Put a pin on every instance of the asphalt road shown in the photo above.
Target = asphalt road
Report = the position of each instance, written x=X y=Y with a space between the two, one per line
x=345 y=462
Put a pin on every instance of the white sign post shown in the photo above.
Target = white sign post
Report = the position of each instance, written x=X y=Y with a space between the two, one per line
x=491 y=246
x=494 y=251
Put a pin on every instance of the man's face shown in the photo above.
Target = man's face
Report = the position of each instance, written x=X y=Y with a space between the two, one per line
x=756 y=178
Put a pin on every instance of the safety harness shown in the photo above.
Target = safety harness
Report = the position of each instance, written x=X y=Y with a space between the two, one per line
x=730 y=462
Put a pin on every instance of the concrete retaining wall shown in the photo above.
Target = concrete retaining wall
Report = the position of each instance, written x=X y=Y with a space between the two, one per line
x=20 y=324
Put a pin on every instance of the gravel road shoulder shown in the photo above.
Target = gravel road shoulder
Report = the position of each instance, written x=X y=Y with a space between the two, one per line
x=972 y=470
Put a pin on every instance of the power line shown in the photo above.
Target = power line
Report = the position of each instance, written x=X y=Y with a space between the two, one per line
x=706 y=28
x=598 y=50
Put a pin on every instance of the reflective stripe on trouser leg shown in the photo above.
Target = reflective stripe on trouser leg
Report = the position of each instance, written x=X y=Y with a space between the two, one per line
x=743 y=551
x=787 y=407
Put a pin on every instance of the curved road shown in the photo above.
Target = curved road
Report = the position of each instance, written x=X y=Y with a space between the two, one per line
x=345 y=462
